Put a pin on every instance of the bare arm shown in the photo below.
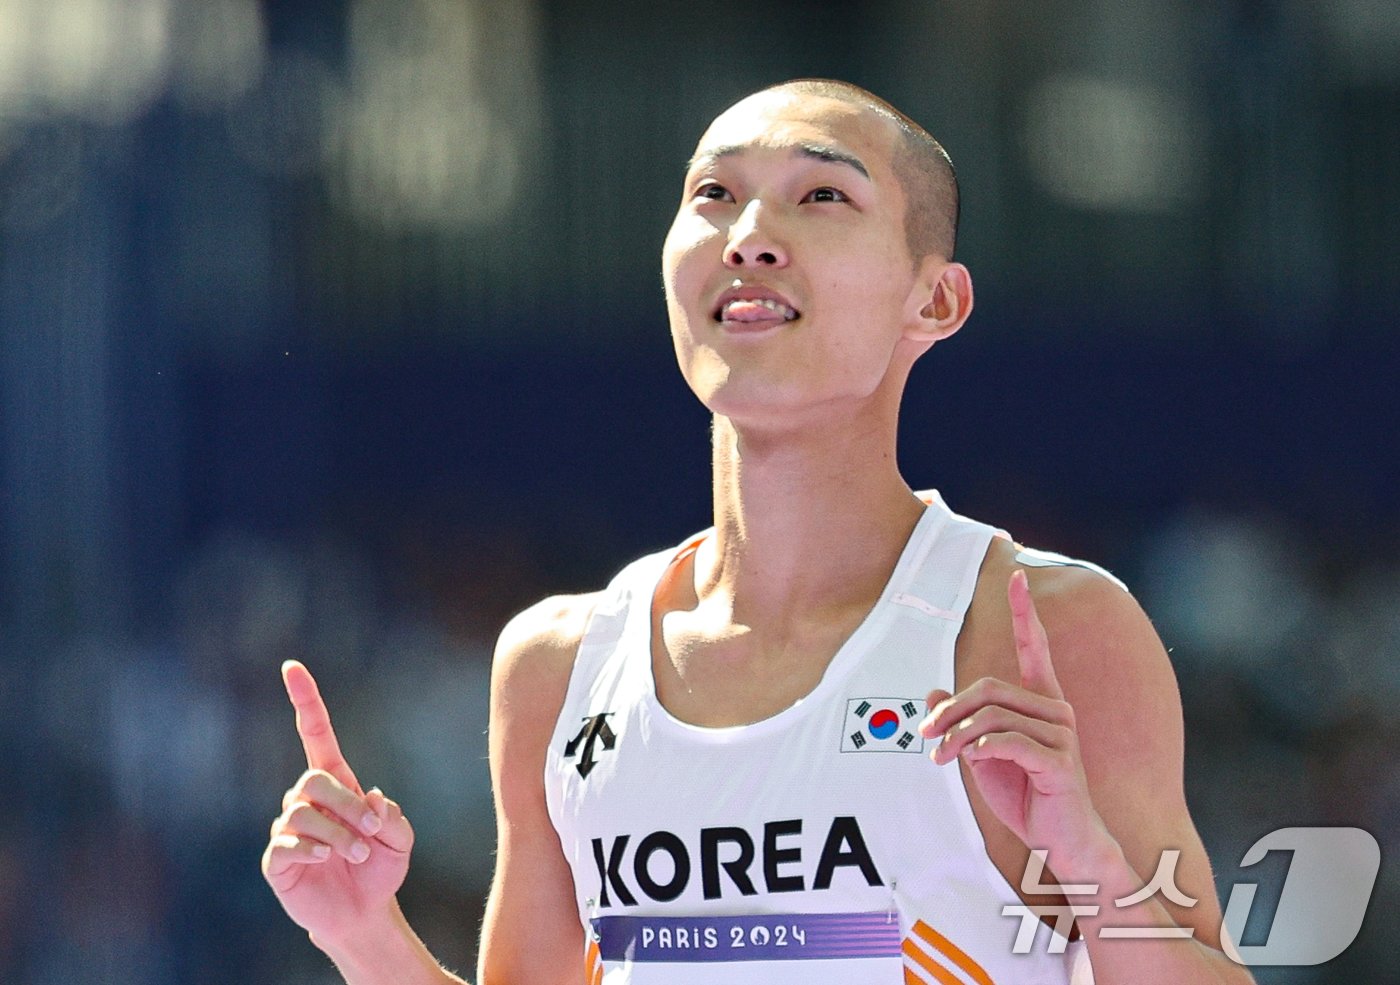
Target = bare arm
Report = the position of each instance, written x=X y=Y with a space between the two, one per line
x=532 y=931
x=1082 y=758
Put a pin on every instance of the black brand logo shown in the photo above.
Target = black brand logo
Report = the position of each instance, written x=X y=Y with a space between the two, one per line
x=594 y=730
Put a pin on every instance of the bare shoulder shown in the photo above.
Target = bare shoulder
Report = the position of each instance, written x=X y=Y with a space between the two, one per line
x=529 y=681
x=558 y=620
x=1108 y=658
x=530 y=677
x=1109 y=661
x=535 y=656
x=1093 y=618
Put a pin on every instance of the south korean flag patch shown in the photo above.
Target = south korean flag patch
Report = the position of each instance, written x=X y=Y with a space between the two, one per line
x=882 y=725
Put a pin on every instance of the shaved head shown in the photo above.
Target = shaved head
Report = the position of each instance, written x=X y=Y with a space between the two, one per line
x=923 y=168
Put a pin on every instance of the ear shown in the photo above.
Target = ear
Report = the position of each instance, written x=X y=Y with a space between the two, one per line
x=942 y=300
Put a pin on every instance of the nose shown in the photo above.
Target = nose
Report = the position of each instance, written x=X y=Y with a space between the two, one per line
x=751 y=240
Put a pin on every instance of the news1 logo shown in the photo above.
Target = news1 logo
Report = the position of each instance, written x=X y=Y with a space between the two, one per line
x=1323 y=900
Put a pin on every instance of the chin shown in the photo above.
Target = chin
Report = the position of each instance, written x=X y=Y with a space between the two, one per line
x=773 y=392
x=764 y=406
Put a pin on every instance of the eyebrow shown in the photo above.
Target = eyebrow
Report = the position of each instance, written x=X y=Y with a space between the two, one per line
x=819 y=152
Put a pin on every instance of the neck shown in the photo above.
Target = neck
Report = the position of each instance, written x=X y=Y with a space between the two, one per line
x=803 y=521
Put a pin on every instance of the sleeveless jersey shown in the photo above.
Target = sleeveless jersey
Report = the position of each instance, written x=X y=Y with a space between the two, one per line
x=819 y=846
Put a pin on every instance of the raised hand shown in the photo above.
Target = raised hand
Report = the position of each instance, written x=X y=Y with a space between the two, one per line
x=336 y=855
x=1020 y=743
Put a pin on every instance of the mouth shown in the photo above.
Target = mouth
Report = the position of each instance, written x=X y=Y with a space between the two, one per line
x=753 y=307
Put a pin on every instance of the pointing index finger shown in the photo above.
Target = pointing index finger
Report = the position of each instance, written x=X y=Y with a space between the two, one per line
x=1032 y=645
x=314 y=725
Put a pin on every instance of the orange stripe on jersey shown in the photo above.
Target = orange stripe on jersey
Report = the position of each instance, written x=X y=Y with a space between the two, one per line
x=916 y=953
x=910 y=978
x=952 y=952
x=664 y=585
x=594 y=962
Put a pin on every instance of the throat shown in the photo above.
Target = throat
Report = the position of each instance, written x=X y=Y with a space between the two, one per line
x=717 y=674
x=739 y=634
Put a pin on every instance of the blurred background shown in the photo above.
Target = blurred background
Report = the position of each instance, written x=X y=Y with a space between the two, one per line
x=334 y=330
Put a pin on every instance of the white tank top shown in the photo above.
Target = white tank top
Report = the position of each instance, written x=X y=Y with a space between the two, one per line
x=820 y=846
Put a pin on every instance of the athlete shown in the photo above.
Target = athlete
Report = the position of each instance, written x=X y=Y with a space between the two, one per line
x=845 y=735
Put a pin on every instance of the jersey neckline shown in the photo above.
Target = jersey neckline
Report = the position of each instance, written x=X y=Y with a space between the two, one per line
x=842 y=663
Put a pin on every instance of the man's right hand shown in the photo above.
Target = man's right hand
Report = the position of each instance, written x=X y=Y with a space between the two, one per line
x=336 y=855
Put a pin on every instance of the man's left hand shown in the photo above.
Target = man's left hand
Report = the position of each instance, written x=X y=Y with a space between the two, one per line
x=1021 y=745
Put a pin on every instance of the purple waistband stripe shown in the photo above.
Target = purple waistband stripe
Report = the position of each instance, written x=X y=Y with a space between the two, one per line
x=766 y=937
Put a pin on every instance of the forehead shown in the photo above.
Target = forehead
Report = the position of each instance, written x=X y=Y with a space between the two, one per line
x=778 y=120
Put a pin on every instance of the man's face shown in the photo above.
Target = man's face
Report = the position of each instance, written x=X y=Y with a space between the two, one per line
x=788 y=278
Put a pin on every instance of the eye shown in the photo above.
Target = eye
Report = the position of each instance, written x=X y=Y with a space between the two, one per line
x=714 y=192
x=825 y=194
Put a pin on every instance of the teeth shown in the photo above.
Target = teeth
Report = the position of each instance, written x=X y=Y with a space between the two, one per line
x=775 y=306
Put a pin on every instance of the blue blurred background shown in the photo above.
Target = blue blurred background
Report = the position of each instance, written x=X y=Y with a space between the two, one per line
x=334 y=330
